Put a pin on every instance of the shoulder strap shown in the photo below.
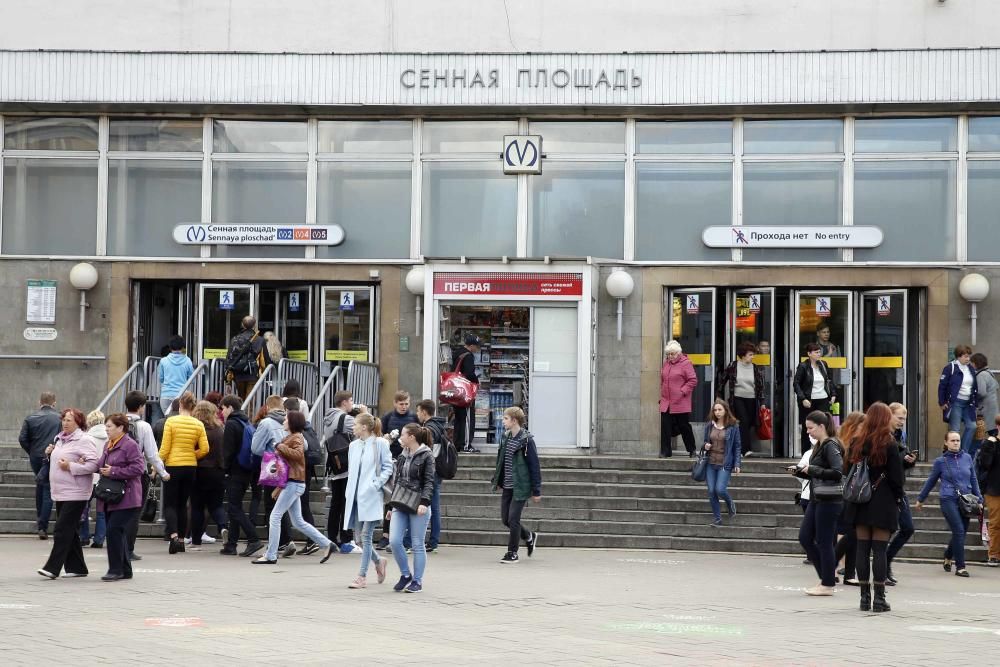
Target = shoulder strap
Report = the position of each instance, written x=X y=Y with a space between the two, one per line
x=458 y=362
x=340 y=424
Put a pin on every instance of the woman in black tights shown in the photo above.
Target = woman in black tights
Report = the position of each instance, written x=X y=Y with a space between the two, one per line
x=875 y=521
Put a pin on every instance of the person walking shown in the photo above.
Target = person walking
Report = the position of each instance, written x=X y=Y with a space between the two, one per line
x=958 y=395
x=987 y=408
x=519 y=476
x=414 y=470
x=813 y=387
x=369 y=466
x=239 y=477
x=120 y=459
x=135 y=404
x=989 y=472
x=274 y=352
x=72 y=464
x=677 y=383
x=210 y=482
x=99 y=435
x=847 y=543
x=174 y=371
x=955 y=471
x=906 y=529
x=270 y=431
x=877 y=519
x=338 y=427
x=293 y=389
x=38 y=431
x=722 y=442
x=818 y=532
x=184 y=444
x=827 y=347
x=292 y=449
x=465 y=418
x=242 y=363
x=744 y=383
x=426 y=417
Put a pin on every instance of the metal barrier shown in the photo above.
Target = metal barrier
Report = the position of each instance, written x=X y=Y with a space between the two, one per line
x=364 y=380
x=151 y=373
x=324 y=401
x=196 y=383
x=217 y=377
x=306 y=373
x=260 y=391
x=138 y=376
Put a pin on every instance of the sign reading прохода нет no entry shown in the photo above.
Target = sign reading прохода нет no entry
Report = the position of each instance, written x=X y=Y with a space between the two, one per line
x=792 y=236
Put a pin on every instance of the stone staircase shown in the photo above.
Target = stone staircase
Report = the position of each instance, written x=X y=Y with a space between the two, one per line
x=598 y=502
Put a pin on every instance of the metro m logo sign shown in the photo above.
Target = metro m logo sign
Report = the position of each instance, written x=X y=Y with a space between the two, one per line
x=522 y=154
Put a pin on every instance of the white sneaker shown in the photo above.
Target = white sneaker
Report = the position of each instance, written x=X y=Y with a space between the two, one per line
x=187 y=540
x=350 y=548
x=206 y=539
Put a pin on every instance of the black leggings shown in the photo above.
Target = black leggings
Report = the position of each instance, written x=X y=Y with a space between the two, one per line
x=335 y=519
x=176 y=493
x=745 y=409
x=679 y=422
x=208 y=495
x=510 y=514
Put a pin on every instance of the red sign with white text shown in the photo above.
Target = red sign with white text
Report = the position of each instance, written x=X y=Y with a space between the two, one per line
x=508 y=284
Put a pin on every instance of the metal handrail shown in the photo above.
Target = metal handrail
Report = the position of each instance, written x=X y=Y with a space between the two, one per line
x=217 y=376
x=192 y=383
x=123 y=381
x=140 y=376
x=55 y=357
x=306 y=373
x=324 y=401
x=256 y=396
x=151 y=374
x=363 y=381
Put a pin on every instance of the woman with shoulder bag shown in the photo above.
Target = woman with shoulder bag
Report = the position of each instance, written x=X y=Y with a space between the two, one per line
x=120 y=460
x=722 y=443
x=813 y=387
x=818 y=533
x=410 y=503
x=958 y=477
x=369 y=466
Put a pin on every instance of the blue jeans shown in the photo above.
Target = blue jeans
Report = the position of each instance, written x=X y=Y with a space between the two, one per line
x=436 y=513
x=818 y=535
x=100 y=526
x=288 y=501
x=959 y=526
x=904 y=533
x=43 y=496
x=366 y=529
x=717 y=480
x=959 y=414
x=417 y=525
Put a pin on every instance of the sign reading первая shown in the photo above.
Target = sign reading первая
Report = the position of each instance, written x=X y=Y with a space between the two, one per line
x=241 y=234
x=792 y=236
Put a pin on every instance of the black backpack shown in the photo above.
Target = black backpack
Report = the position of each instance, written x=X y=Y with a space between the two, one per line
x=242 y=360
x=133 y=430
x=336 y=448
x=314 y=450
x=446 y=460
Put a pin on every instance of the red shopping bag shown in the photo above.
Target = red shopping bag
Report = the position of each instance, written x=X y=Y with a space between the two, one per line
x=764 y=431
x=455 y=389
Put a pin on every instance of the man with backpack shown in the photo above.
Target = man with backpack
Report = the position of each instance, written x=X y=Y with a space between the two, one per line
x=244 y=358
x=142 y=433
x=338 y=432
x=238 y=462
x=446 y=463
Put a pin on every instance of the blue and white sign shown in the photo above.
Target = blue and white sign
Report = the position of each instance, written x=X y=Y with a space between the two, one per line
x=293 y=302
x=268 y=235
x=227 y=299
x=522 y=154
x=347 y=300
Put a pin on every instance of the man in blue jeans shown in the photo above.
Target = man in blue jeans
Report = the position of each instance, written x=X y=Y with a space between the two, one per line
x=957 y=395
x=437 y=426
x=39 y=430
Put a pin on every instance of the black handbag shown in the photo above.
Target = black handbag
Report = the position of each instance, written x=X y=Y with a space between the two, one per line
x=968 y=505
x=699 y=471
x=826 y=490
x=151 y=504
x=405 y=499
x=43 y=473
x=111 y=491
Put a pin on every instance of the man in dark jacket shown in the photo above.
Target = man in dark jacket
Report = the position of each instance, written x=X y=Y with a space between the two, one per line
x=396 y=419
x=437 y=427
x=465 y=418
x=238 y=479
x=988 y=470
x=38 y=431
x=906 y=529
x=241 y=358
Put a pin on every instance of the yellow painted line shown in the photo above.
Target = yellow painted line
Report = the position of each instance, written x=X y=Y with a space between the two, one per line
x=832 y=362
x=700 y=359
x=883 y=362
x=762 y=360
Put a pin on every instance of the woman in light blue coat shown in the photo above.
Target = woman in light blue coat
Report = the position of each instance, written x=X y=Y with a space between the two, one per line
x=369 y=466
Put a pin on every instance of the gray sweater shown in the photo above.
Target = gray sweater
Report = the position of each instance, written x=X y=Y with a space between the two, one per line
x=986 y=386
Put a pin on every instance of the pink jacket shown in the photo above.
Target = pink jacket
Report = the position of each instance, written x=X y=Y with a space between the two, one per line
x=677 y=382
x=77 y=483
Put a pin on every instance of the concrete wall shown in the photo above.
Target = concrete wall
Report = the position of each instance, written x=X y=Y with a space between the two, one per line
x=618 y=367
x=324 y=26
x=76 y=384
x=409 y=364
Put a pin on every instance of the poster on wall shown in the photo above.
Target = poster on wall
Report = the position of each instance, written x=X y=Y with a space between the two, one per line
x=41 y=302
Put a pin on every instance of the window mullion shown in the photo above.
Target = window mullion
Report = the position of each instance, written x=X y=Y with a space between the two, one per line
x=416 y=190
x=962 y=191
x=207 y=134
x=737 y=182
x=847 y=186
x=628 y=249
x=312 y=176
x=103 y=132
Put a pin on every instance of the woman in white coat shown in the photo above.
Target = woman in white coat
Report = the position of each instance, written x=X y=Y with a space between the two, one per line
x=369 y=466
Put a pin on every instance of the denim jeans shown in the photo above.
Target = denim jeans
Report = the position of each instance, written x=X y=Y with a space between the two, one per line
x=366 y=529
x=436 y=513
x=959 y=414
x=817 y=535
x=288 y=501
x=43 y=496
x=905 y=531
x=100 y=526
x=717 y=480
x=417 y=526
x=959 y=526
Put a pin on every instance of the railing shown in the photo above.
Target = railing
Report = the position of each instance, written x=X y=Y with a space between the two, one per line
x=260 y=391
x=364 y=380
x=217 y=376
x=196 y=383
x=136 y=377
x=306 y=373
x=324 y=401
x=151 y=373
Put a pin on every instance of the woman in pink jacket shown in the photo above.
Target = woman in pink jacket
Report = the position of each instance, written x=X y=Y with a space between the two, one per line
x=677 y=383
x=72 y=464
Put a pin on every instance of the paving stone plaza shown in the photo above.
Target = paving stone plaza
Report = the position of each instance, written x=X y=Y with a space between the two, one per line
x=561 y=607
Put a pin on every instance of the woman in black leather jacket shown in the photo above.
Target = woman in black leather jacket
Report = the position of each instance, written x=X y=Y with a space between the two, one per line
x=818 y=533
x=414 y=469
x=813 y=387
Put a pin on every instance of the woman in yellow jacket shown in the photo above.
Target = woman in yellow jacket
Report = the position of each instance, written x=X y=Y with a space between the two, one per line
x=184 y=442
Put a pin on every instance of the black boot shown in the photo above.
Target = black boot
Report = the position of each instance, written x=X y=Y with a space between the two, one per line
x=880 y=604
x=866 y=595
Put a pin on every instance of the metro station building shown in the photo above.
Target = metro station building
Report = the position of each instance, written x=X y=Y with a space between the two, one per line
x=755 y=183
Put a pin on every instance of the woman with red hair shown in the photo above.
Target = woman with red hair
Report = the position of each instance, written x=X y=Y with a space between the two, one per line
x=875 y=521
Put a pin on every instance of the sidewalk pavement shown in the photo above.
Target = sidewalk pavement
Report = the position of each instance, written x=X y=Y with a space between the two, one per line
x=561 y=607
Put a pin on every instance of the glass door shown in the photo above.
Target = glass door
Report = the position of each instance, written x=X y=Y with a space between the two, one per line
x=348 y=325
x=690 y=315
x=220 y=309
x=288 y=313
x=751 y=320
x=883 y=347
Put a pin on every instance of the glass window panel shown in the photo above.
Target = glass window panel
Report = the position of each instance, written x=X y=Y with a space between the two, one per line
x=792 y=193
x=146 y=199
x=371 y=201
x=570 y=137
x=368 y=136
x=49 y=207
x=164 y=135
x=50 y=134
x=252 y=136
x=578 y=210
x=674 y=204
x=913 y=203
x=468 y=209
x=984 y=134
x=905 y=135
x=984 y=210
x=259 y=192
x=685 y=137
x=467 y=136
x=793 y=136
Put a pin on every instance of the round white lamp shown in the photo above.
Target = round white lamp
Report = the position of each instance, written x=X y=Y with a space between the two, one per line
x=974 y=288
x=619 y=285
x=415 y=284
x=83 y=277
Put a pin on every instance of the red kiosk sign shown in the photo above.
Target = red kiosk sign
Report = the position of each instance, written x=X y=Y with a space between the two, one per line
x=508 y=284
